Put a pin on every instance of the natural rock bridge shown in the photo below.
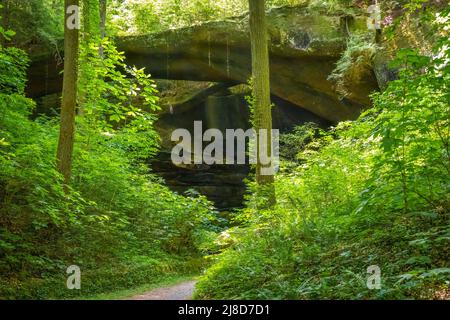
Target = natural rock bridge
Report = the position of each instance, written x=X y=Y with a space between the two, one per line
x=215 y=56
x=304 y=48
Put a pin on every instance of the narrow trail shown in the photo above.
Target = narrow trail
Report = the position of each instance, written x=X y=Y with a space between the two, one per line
x=181 y=291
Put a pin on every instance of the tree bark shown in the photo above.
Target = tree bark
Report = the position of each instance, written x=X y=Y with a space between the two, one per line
x=102 y=9
x=261 y=90
x=91 y=18
x=69 y=97
x=102 y=12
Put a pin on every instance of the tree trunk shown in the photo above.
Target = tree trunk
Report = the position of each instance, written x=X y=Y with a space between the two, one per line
x=261 y=92
x=69 y=97
x=91 y=18
x=102 y=9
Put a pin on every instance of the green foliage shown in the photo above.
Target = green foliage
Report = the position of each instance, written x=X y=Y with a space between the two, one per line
x=112 y=94
x=372 y=192
x=146 y=16
x=108 y=279
x=13 y=65
x=293 y=143
x=90 y=17
x=7 y=34
x=154 y=16
x=355 y=63
x=120 y=224
x=343 y=6
x=114 y=214
x=34 y=21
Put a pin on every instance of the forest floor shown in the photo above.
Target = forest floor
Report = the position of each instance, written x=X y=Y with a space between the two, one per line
x=181 y=291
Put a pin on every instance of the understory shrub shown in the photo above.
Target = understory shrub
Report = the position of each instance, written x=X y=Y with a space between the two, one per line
x=118 y=222
x=373 y=192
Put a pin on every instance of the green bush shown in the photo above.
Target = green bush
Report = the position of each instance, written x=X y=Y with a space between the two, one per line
x=371 y=192
x=118 y=223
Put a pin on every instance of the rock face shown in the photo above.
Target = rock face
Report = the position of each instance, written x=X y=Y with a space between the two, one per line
x=304 y=48
x=221 y=107
x=222 y=184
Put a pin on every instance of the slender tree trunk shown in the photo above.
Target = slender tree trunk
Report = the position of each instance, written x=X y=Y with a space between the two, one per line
x=102 y=9
x=69 y=97
x=91 y=19
x=261 y=91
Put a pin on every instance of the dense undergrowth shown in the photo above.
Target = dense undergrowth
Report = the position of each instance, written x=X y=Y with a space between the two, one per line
x=373 y=192
x=118 y=223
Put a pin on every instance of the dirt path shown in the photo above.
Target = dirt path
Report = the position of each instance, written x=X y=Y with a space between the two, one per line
x=181 y=291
